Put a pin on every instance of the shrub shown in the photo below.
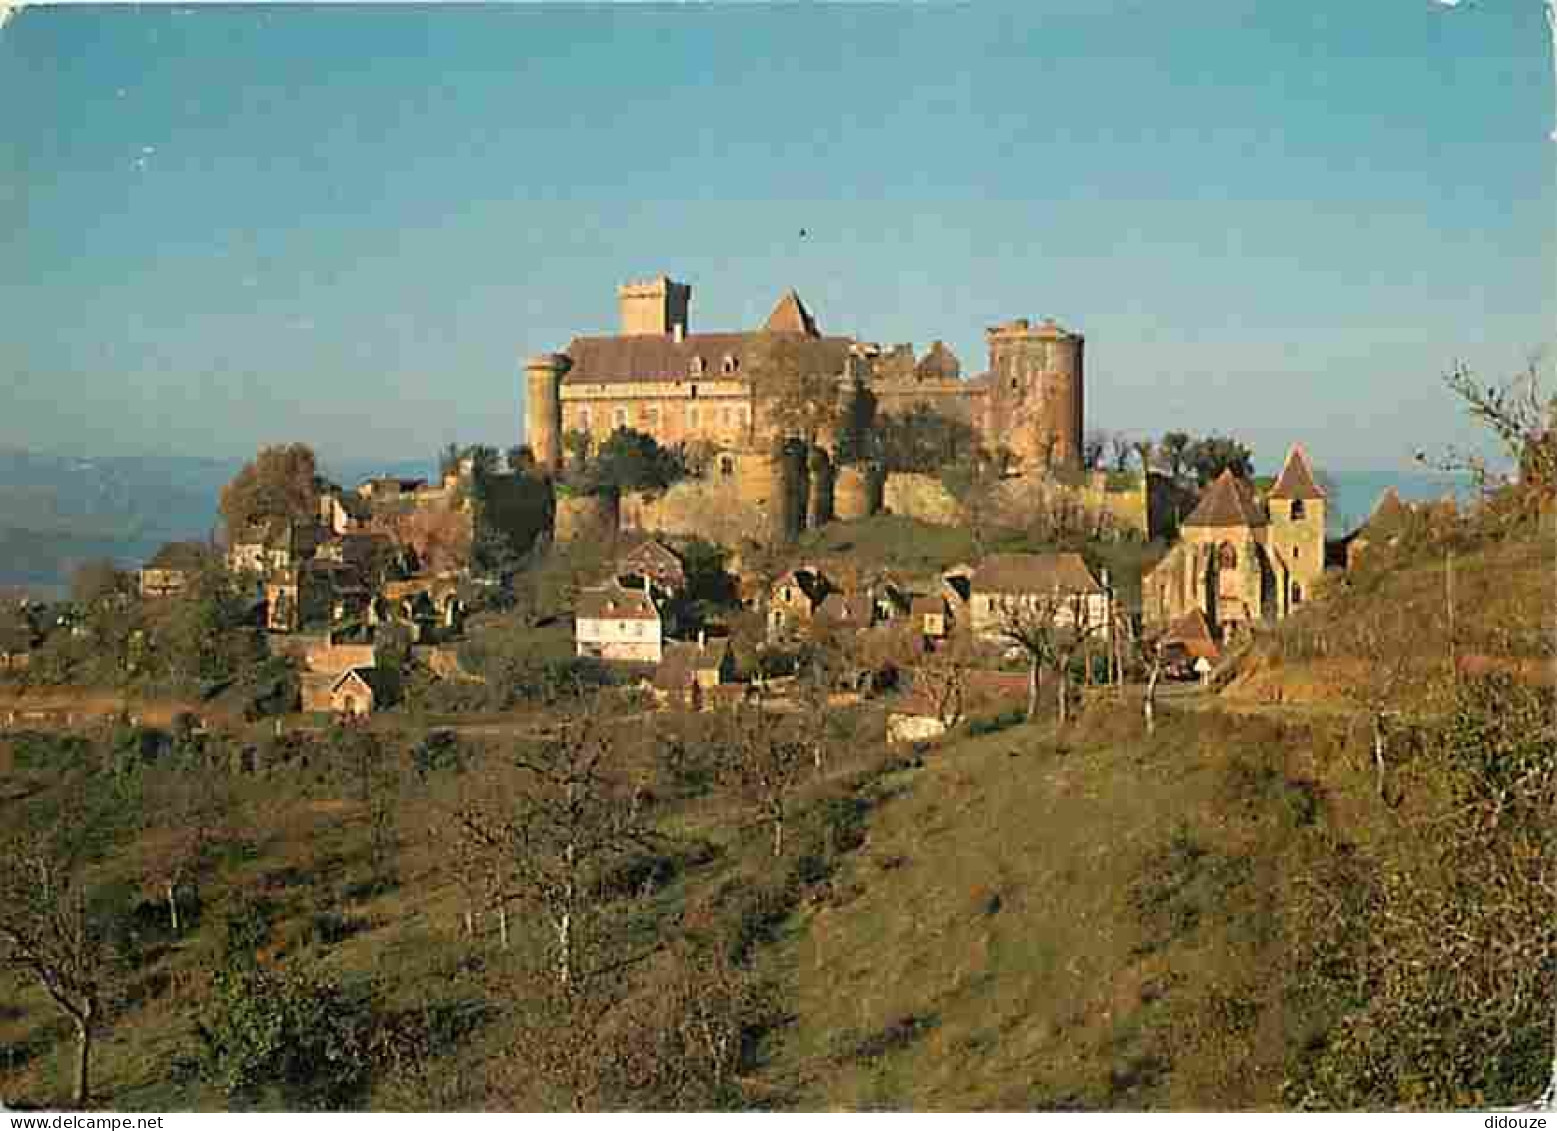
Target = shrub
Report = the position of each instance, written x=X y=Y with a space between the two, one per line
x=302 y=1038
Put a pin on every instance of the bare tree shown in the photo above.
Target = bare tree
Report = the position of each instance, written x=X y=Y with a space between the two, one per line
x=1153 y=653
x=47 y=932
x=942 y=679
x=766 y=762
x=195 y=805
x=569 y=821
x=1387 y=666
x=1144 y=450
x=1050 y=629
x=1520 y=413
x=1093 y=447
x=1120 y=448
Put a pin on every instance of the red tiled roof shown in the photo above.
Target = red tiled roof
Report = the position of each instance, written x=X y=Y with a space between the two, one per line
x=612 y=602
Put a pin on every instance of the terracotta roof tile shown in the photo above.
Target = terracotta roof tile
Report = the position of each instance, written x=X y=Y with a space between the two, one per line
x=613 y=602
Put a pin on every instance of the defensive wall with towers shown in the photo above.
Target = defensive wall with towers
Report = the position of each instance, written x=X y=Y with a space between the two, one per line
x=657 y=376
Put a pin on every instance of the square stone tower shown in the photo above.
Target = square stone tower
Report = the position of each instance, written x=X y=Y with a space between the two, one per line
x=654 y=306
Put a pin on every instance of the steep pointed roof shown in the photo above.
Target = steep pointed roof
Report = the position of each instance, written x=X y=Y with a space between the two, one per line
x=790 y=316
x=938 y=362
x=1296 y=480
x=1229 y=501
x=1389 y=513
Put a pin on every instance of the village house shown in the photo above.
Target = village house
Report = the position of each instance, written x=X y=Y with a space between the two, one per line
x=1242 y=561
x=385 y=487
x=427 y=606
x=613 y=622
x=172 y=568
x=1004 y=586
x=793 y=601
x=341 y=512
x=323 y=682
x=930 y=617
x=844 y=613
x=957 y=590
x=657 y=562
x=271 y=546
x=1188 y=645
x=368 y=552
x=358 y=692
x=689 y=669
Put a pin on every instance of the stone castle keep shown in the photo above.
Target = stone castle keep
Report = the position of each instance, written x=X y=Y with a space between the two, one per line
x=659 y=377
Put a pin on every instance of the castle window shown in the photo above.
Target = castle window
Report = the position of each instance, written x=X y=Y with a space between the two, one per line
x=1297 y=509
x=1226 y=556
x=691 y=416
x=726 y=466
x=730 y=365
x=621 y=418
x=1297 y=552
x=1297 y=593
x=698 y=368
x=583 y=418
x=652 y=415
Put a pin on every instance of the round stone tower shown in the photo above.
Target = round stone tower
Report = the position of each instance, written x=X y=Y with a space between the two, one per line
x=543 y=375
x=1035 y=399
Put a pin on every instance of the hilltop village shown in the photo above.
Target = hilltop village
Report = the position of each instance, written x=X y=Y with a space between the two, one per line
x=785 y=722
x=693 y=486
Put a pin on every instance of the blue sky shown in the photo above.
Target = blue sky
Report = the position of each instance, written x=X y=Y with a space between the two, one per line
x=232 y=225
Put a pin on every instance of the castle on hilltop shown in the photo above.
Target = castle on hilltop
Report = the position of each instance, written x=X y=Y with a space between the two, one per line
x=658 y=377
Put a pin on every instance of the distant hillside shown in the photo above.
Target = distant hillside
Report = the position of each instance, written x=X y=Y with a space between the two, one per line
x=56 y=511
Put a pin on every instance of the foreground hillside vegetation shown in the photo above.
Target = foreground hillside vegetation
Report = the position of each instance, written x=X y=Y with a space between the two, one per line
x=1329 y=880
x=1239 y=912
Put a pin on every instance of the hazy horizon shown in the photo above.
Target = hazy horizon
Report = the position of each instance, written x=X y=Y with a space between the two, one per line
x=347 y=225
